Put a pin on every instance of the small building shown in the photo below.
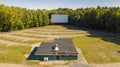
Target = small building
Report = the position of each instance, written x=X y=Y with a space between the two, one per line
x=60 y=49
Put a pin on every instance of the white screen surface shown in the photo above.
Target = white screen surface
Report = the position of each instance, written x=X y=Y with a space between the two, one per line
x=59 y=18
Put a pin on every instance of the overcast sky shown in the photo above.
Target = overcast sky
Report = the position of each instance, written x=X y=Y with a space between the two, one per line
x=53 y=4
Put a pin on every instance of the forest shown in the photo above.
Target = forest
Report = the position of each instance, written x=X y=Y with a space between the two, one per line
x=100 y=18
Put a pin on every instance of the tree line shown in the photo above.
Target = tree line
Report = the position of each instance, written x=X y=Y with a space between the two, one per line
x=15 y=18
x=103 y=18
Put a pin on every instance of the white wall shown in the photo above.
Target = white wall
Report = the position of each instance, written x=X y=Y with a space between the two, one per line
x=57 y=18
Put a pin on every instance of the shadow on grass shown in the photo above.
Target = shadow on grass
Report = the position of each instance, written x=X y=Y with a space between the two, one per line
x=104 y=35
x=118 y=51
x=114 y=38
x=32 y=54
x=71 y=27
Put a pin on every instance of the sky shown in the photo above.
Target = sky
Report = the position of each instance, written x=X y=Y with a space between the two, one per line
x=54 y=4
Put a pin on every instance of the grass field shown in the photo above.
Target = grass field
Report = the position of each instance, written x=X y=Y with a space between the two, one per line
x=98 y=50
x=19 y=40
x=98 y=47
x=13 y=54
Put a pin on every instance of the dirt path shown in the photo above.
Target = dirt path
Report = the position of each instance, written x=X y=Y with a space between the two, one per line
x=16 y=65
x=81 y=58
x=55 y=36
x=106 y=65
x=16 y=37
x=47 y=34
x=8 y=43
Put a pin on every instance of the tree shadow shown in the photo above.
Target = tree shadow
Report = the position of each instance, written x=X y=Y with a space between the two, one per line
x=32 y=54
x=118 y=51
x=104 y=35
x=71 y=27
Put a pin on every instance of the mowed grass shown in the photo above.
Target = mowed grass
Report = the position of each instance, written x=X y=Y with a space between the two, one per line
x=60 y=27
x=19 y=40
x=13 y=54
x=28 y=36
x=99 y=50
x=56 y=33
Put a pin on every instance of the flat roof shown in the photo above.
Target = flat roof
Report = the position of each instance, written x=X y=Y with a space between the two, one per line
x=66 y=47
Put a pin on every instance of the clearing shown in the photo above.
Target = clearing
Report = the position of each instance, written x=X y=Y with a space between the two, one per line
x=97 y=47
